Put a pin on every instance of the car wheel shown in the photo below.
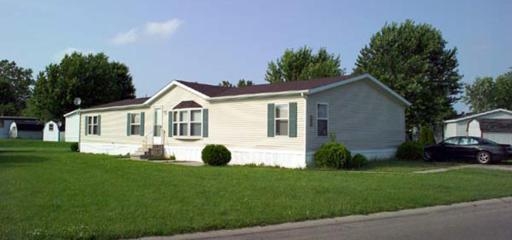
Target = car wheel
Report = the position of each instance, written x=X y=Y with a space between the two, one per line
x=427 y=156
x=483 y=157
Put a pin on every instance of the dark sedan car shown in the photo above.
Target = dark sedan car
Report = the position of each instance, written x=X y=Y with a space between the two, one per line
x=482 y=150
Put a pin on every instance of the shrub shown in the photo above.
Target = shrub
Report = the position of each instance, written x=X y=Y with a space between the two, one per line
x=357 y=161
x=74 y=147
x=215 y=155
x=426 y=135
x=410 y=151
x=331 y=155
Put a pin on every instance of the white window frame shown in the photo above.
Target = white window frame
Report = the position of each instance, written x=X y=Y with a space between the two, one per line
x=91 y=125
x=281 y=119
x=133 y=116
x=318 y=118
x=177 y=122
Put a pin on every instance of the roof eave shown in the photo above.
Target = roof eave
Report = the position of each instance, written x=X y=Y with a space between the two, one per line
x=477 y=115
x=259 y=95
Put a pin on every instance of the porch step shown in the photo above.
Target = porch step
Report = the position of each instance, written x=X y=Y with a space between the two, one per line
x=154 y=152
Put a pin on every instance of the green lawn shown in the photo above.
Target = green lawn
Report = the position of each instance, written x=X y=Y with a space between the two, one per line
x=48 y=192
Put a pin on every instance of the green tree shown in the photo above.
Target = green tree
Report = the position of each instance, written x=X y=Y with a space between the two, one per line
x=480 y=95
x=243 y=83
x=413 y=60
x=92 y=77
x=15 y=87
x=303 y=64
x=486 y=93
x=225 y=83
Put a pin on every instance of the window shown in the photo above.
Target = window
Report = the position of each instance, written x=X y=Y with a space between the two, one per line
x=92 y=125
x=50 y=126
x=281 y=120
x=468 y=141
x=135 y=124
x=452 y=141
x=322 y=119
x=157 y=132
x=187 y=123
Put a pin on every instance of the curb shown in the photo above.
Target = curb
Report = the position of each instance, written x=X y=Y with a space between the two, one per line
x=331 y=221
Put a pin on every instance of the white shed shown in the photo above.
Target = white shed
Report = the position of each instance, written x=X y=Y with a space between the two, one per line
x=52 y=132
x=72 y=124
x=495 y=125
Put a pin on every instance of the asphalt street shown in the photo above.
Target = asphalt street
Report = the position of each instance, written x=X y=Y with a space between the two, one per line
x=488 y=219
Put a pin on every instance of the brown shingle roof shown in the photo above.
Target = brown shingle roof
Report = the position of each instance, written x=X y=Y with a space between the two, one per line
x=495 y=125
x=218 y=91
x=187 y=104
x=123 y=102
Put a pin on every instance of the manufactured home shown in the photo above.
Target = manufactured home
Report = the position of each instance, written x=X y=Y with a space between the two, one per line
x=72 y=123
x=495 y=125
x=272 y=124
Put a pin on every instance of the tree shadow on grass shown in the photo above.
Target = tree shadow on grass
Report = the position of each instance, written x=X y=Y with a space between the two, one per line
x=8 y=161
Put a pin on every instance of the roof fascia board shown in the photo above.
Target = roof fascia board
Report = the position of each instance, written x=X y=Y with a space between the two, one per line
x=478 y=115
x=358 y=78
x=175 y=83
x=258 y=95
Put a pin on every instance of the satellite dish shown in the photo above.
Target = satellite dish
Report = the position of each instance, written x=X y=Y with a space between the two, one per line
x=77 y=101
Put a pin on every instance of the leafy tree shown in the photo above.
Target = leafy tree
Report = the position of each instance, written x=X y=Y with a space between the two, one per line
x=243 y=83
x=303 y=64
x=225 y=83
x=487 y=93
x=480 y=95
x=93 y=78
x=15 y=87
x=413 y=60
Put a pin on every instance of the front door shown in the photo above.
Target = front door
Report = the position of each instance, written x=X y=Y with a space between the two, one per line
x=157 y=129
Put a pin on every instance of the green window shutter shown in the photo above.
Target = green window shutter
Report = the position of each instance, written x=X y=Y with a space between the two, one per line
x=99 y=125
x=128 y=131
x=205 y=122
x=270 y=120
x=142 y=125
x=169 y=128
x=292 y=132
x=86 y=124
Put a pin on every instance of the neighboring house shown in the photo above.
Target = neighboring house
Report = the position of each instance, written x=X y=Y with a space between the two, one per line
x=273 y=124
x=52 y=132
x=72 y=124
x=26 y=129
x=495 y=125
x=6 y=122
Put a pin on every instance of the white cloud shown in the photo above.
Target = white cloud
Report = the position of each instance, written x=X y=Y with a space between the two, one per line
x=163 y=29
x=60 y=55
x=125 y=37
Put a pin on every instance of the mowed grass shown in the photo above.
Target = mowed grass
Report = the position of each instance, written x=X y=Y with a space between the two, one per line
x=48 y=192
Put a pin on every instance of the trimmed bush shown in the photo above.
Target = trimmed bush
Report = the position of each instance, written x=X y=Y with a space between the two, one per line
x=331 y=155
x=215 y=155
x=426 y=136
x=74 y=147
x=357 y=161
x=410 y=151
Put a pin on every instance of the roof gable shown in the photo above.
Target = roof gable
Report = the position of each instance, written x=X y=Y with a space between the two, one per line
x=478 y=115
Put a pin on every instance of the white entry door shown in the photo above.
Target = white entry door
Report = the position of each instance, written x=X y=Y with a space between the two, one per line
x=157 y=129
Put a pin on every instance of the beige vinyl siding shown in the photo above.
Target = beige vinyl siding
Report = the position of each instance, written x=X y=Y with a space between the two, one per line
x=243 y=123
x=113 y=127
x=238 y=123
x=462 y=125
x=361 y=115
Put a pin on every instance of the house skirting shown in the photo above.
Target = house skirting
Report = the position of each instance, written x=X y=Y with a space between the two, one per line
x=371 y=154
x=239 y=156
x=244 y=156
x=109 y=148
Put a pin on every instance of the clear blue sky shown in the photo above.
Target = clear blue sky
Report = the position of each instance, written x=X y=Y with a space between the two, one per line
x=210 y=41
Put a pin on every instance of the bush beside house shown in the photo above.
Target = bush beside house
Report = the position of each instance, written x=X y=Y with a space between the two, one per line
x=215 y=155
